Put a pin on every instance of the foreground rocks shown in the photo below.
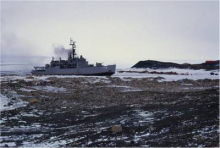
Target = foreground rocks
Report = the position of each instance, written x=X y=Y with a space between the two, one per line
x=82 y=111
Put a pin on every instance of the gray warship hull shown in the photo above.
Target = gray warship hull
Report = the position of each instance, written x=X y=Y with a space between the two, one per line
x=74 y=65
x=86 y=71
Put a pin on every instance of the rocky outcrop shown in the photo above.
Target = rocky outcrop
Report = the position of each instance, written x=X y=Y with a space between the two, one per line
x=157 y=64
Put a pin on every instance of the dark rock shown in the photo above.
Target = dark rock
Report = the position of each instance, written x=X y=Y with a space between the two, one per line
x=10 y=103
x=158 y=64
x=132 y=142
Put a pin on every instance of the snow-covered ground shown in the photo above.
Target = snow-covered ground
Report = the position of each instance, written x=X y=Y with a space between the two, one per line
x=143 y=118
x=44 y=77
x=49 y=88
x=15 y=103
x=4 y=101
x=191 y=74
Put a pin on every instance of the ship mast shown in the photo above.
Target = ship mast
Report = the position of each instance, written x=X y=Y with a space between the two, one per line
x=72 y=43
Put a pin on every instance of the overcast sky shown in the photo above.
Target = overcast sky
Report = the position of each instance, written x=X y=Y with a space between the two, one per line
x=113 y=32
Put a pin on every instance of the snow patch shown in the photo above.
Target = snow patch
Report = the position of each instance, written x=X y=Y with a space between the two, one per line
x=49 y=88
x=191 y=74
x=27 y=90
x=7 y=144
x=15 y=104
x=98 y=80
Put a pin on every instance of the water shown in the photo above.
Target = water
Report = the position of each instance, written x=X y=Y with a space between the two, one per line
x=21 y=64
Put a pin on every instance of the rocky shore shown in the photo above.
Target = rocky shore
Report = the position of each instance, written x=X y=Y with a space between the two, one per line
x=80 y=111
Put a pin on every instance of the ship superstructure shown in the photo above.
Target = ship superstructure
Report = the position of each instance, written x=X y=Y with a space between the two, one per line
x=74 y=65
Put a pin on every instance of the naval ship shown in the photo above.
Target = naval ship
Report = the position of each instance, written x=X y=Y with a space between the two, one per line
x=74 y=65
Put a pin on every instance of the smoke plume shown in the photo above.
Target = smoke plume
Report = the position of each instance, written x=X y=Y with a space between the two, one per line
x=60 y=51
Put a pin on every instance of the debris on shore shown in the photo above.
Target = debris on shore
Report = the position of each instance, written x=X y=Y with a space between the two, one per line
x=110 y=111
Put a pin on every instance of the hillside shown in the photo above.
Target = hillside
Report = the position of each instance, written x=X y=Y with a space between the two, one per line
x=208 y=65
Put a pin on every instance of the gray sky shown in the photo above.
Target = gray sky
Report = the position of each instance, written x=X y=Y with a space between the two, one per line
x=113 y=32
